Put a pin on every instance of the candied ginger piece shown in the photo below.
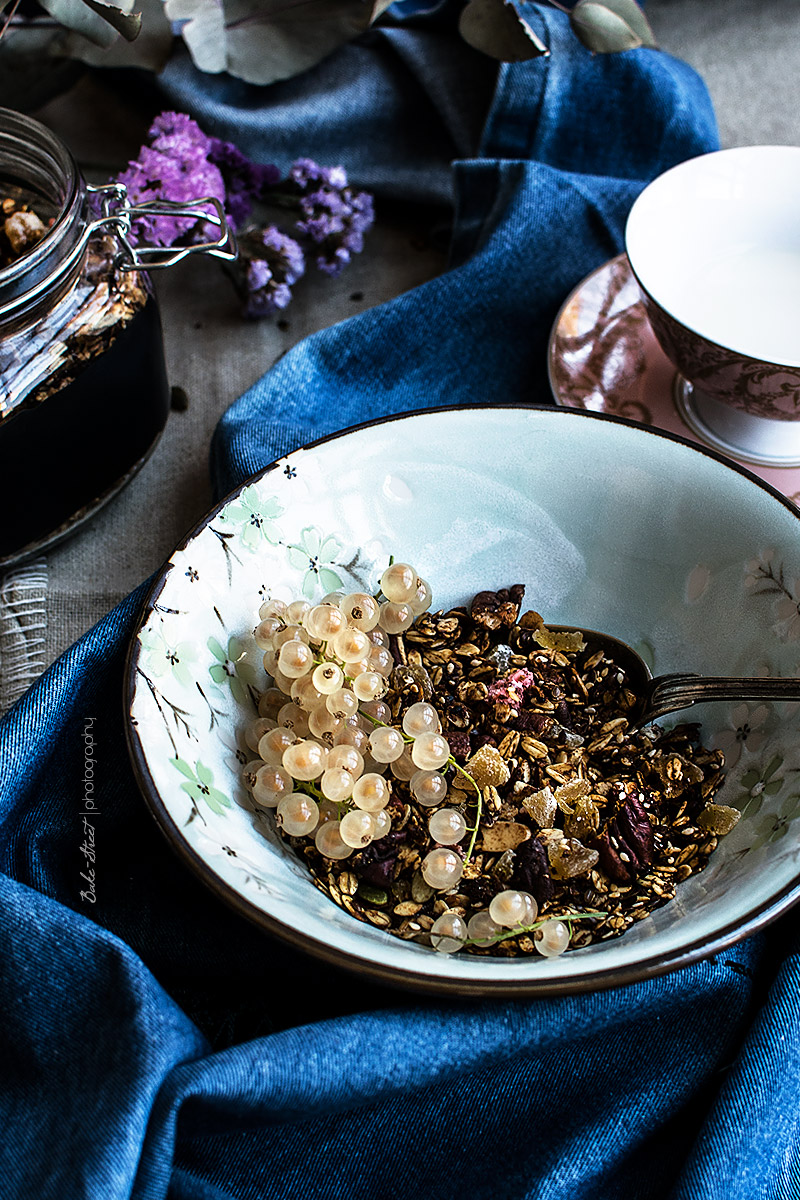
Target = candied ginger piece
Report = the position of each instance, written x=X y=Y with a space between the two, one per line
x=488 y=767
x=718 y=818
x=570 y=857
x=550 y=639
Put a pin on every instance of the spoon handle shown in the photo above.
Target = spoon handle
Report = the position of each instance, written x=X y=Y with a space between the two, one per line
x=668 y=693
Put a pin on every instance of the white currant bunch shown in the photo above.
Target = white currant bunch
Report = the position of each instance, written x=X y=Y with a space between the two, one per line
x=320 y=765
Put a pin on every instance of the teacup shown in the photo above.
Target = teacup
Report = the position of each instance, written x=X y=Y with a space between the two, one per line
x=714 y=244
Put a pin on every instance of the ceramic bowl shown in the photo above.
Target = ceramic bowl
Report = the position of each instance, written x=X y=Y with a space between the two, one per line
x=609 y=525
x=715 y=246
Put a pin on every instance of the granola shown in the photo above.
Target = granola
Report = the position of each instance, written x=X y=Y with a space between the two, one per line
x=546 y=821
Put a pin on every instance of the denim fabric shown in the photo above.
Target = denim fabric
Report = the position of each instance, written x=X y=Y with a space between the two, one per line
x=153 y=1044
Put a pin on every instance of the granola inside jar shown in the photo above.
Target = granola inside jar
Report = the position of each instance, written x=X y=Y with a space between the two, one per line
x=83 y=385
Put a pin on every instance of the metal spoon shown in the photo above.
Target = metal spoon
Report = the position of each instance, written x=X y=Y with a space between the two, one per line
x=669 y=693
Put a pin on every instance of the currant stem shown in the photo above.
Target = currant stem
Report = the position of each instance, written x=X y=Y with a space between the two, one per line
x=451 y=762
x=479 y=810
x=519 y=930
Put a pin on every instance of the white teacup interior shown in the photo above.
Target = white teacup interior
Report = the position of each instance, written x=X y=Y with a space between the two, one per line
x=716 y=243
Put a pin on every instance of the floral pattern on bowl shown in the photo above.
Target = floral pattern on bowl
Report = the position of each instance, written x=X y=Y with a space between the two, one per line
x=609 y=525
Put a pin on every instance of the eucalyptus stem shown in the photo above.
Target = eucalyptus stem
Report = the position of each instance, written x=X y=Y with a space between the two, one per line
x=9 y=17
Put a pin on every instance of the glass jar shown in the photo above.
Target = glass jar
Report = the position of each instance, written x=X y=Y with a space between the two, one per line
x=83 y=386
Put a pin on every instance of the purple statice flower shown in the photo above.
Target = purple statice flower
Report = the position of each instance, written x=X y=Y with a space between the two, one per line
x=305 y=171
x=270 y=263
x=177 y=134
x=174 y=166
x=333 y=218
x=245 y=181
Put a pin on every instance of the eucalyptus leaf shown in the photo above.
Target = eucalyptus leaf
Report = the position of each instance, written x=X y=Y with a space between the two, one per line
x=79 y=17
x=611 y=26
x=632 y=14
x=203 y=33
x=261 y=41
x=496 y=28
x=150 y=51
x=129 y=24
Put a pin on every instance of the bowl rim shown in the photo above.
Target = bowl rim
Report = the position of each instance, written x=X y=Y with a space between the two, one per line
x=406 y=978
x=689 y=164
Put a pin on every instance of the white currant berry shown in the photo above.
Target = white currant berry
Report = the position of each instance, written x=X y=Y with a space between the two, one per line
x=342 y=703
x=290 y=633
x=386 y=744
x=305 y=760
x=383 y=823
x=396 y=617
x=482 y=929
x=304 y=694
x=329 y=841
x=448 y=932
x=264 y=633
x=380 y=659
x=254 y=733
x=270 y=701
x=282 y=681
x=376 y=710
x=430 y=751
x=323 y=622
x=371 y=792
x=369 y=685
x=297 y=611
x=297 y=814
x=442 y=868
x=273 y=608
x=361 y=610
x=275 y=741
x=403 y=767
x=327 y=678
x=291 y=716
x=357 y=828
x=552 y=938
x=348 y=758
x=352 y=735
x=398 y=582
x=350 y=645
x=421 y=718
x=447 y=826
x=420 y=602
x=428 y=788
x=336 y=784
x=508 y=908
x=322 y=723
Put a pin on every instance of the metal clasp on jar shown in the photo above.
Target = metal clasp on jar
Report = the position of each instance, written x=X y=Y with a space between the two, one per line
x=119 y=215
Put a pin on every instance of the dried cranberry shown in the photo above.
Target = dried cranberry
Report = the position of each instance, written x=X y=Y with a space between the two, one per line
x=634 y=826
x=609 y=860
x=625 y=846
x=532 y=871
x=480 y=891
x=460 y=748
x=538 y=724
x=375 y=864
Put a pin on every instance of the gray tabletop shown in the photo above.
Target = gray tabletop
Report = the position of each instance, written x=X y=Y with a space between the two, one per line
x=749 y=56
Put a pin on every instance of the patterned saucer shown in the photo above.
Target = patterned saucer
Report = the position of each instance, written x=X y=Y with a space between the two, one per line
x=604 y=357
